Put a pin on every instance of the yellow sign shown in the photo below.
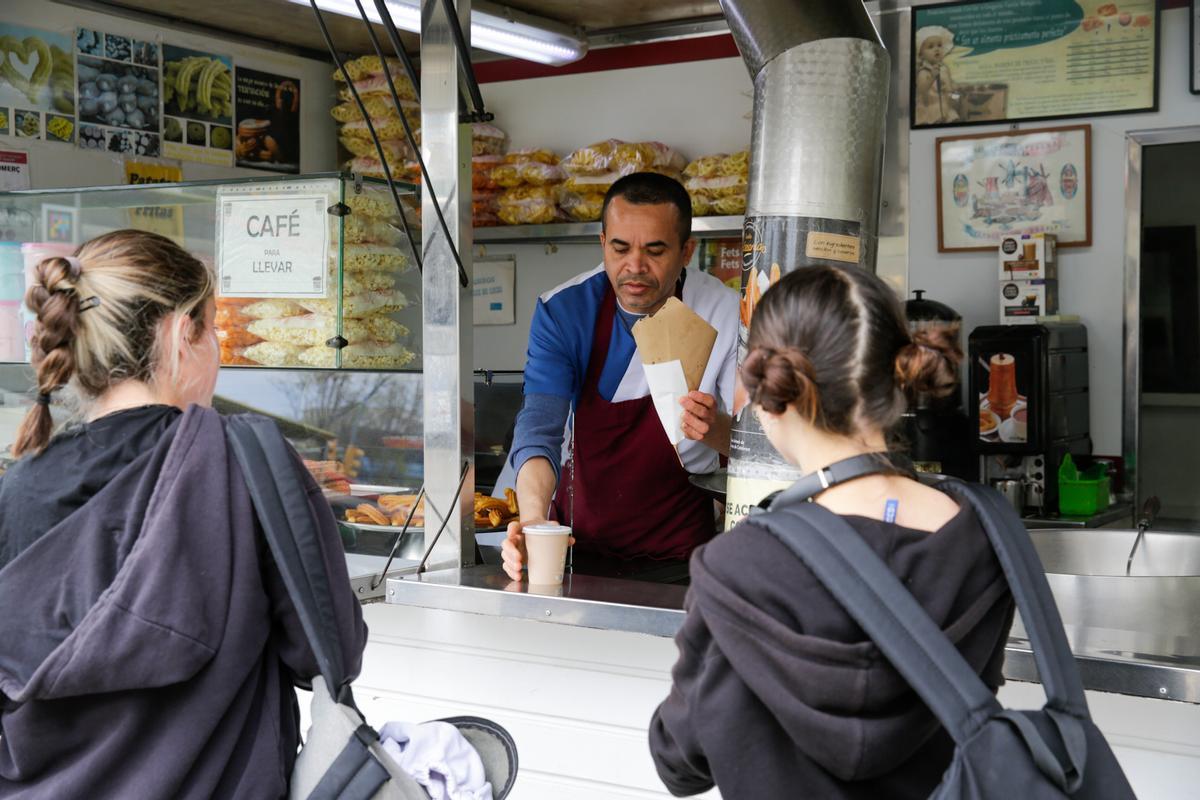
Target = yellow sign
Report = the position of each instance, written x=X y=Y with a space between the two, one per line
x=164 y=220
x=832 y=247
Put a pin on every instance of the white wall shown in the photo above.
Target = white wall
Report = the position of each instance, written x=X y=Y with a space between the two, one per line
x=54 y=165
x=698 y=108
x=1091 y=279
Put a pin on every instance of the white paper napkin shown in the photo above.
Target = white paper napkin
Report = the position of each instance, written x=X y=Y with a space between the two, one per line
x=667 y=386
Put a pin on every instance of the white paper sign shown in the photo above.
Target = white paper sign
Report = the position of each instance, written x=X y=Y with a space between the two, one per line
x=273 y=246
x=14 y=170
x=667 y=387
x=493 y=292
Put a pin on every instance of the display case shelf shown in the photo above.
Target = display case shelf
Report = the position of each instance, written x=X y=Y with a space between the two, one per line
x=702 y=227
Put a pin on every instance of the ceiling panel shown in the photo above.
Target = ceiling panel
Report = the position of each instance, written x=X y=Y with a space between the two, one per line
x=272 y=20
x=294 y=25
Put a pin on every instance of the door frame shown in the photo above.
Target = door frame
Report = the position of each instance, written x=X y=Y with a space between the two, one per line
x=1135 y=141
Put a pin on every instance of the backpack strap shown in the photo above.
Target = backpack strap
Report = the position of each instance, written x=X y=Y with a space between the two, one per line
x=1026 y=576
x=871 y=594
x=281 y=503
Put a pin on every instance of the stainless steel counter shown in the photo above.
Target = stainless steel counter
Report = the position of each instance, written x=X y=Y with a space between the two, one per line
x=1138 y=636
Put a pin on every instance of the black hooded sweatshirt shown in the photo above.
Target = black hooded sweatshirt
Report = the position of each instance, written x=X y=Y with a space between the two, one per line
x=147 y=645
x=778 y=693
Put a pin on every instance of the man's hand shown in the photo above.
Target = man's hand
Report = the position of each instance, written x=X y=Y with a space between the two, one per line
x=513 y=549
x=702 y=421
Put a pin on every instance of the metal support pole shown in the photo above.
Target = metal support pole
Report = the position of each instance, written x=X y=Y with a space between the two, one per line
x=447 y=306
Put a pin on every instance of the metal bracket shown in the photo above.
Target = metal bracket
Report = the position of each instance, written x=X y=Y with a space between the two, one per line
x=337 y=342
x=338 y=209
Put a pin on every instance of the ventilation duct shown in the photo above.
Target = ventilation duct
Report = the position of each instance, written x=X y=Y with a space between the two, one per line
x=821 y=79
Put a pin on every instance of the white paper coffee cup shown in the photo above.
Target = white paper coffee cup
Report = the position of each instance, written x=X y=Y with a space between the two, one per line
x=546 y=551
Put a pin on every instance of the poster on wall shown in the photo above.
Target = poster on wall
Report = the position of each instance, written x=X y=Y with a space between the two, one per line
x=987 y=61
x=37 y=84
x=16 y=221
x=117 y=78
x=268 y=121
x=1031 y=181
x=166 y=220
x=492 y=291
x=197 y=106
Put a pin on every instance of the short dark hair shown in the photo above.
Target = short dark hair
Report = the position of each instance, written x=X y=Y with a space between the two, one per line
x=652 y=189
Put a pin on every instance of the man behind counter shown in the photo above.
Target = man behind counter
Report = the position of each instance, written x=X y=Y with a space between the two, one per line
x=623 y=488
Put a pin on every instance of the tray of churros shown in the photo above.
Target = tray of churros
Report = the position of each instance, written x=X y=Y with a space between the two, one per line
x=388 y=512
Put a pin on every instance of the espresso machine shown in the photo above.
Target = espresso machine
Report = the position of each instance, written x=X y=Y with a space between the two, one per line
x=936 y=430
x=1029 y=395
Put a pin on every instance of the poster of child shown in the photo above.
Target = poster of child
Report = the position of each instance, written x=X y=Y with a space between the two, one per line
x=936 y=97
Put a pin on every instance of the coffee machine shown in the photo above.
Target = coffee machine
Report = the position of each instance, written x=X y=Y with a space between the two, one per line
x=935 y=430
x=1029 y=395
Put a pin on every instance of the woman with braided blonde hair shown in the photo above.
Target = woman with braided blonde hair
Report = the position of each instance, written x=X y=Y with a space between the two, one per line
x=777 y=692
x=147 y=645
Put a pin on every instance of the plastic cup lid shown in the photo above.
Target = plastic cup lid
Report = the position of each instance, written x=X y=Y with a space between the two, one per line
x=546 y=529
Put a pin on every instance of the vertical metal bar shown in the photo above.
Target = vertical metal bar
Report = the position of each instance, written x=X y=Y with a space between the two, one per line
x=447 y=309
x=1131 y=410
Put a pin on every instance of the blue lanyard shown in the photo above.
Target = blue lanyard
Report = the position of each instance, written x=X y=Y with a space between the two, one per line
x=889 y=511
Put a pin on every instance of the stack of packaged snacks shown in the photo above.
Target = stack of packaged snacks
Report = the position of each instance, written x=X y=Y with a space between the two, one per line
x=485 y=192
x=591 y=170
x=376 y=317
x=532 y=181
x=368 y=77
x=717 y=184
x=487 y=140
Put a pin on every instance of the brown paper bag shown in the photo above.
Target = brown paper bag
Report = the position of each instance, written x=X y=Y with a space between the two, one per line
x=676 y=332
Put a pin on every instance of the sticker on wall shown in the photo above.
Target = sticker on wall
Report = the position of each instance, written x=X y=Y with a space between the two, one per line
x=268 y=121
x=37 y=80
x=117 y=79
x=197 y=106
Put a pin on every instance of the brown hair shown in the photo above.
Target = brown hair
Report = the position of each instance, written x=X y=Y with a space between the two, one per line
x=98 y=317
x=833 y=342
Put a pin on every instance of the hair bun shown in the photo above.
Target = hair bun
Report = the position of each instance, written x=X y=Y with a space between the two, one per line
x=929 y=363
x=776 y=379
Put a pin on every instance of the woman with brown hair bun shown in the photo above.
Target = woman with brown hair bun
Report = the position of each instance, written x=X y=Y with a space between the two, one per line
x=777 y=692
x=149 y=649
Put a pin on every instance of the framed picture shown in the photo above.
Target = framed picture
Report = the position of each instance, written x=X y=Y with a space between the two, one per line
x=1194 y=47
x=985 y=61
x=991 y=185
x=58 y=224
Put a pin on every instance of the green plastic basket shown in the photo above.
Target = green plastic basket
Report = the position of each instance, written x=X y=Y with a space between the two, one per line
x=1081 y=494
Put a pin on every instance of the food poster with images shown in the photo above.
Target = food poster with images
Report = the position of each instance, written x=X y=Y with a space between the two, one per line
x=722 y=258
x=197 y=106
x=982 y=62
x=118 y=80
x=37 y=84
x=1004 y=375
x=166 y=220
x=268 y=121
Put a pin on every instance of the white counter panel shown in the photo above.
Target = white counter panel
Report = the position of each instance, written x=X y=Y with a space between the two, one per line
x=578 y=702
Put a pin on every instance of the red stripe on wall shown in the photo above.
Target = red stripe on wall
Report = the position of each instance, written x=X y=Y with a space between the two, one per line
x=638 y=55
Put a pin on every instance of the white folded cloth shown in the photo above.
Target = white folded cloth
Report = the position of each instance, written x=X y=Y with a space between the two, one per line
x=439 y=758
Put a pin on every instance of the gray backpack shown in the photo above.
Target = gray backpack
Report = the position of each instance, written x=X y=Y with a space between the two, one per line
x=342 y=758
x=1054 y=752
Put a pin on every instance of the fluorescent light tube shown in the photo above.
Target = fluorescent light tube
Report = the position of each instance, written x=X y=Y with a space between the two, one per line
x=493 y=28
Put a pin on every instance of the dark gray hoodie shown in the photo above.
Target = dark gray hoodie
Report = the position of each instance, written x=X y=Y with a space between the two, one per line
x=779 y=694
x=147 y=645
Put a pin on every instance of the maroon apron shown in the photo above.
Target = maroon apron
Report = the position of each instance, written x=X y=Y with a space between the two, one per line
x=631 y=496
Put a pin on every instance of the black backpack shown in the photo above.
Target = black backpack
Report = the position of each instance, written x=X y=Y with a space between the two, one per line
x=1054 y=752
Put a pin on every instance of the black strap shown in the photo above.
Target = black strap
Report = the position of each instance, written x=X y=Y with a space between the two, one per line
x=848 y=469
x=885 y=610
x=281 y=502
x=1026 y=577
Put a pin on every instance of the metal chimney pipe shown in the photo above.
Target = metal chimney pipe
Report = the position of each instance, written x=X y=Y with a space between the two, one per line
x=821 y=78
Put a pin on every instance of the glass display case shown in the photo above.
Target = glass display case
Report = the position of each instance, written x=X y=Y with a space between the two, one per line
x=319 y=320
